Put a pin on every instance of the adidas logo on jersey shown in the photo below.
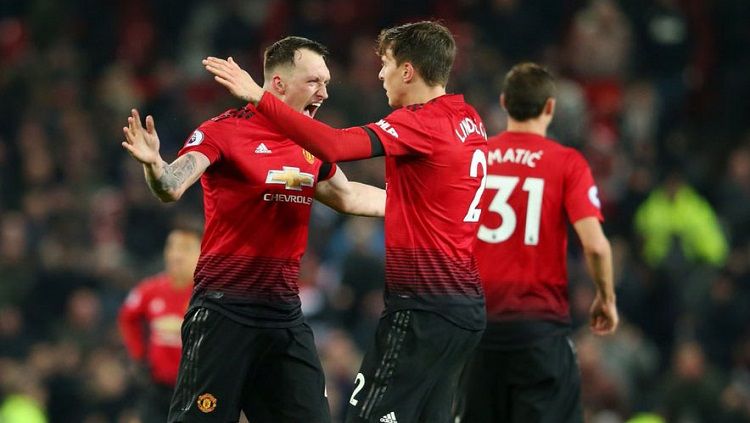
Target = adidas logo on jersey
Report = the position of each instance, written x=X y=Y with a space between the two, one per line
x=262 y=149
x=389 y=418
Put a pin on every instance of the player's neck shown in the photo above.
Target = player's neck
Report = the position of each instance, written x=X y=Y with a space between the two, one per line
x=422 y=93
x=532 y=126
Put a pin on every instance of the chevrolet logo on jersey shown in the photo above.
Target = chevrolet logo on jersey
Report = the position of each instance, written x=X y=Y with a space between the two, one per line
x=291 y=177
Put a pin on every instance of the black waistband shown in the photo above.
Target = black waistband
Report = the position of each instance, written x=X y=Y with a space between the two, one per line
x=513 y=334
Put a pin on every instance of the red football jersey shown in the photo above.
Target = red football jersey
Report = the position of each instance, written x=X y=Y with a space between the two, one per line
x=435 y=165
x=257 y=195
x=535 y=186
x=161 y=306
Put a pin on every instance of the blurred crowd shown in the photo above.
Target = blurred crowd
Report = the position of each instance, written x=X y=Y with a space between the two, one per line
x=655 y=93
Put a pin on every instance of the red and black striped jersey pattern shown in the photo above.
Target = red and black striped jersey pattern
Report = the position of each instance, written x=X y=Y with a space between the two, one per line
x=434 y=170
x=535 y=187
x=257 y=195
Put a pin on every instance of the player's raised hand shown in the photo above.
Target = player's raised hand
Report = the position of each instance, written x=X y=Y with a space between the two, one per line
x=229 y=74
x=603 y=315
x=142 y=143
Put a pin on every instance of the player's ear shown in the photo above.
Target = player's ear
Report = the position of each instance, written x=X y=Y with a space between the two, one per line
x=502 y=102
x=278 y=84
x=407 y=72
x=549 y=106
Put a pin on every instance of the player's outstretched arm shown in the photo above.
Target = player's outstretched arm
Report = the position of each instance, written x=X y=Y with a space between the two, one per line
x=598 y=252
x=349 y=197
x=168 y=181
x=328 y=144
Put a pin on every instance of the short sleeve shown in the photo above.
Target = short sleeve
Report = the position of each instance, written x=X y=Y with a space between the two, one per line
x=402 y=134
x=204 y=140
x=326 y=171
x=134 y=300
x=581 y=193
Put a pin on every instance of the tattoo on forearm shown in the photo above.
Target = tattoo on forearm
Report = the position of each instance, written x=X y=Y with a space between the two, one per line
x=174 y=176
x=177 y=173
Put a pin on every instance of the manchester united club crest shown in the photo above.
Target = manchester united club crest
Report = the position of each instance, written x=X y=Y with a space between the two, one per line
x=206 y=403
x=308 y=156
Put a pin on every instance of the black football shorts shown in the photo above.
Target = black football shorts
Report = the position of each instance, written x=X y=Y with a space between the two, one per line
x=537 y=383
x=411 y=373
x=272 y=374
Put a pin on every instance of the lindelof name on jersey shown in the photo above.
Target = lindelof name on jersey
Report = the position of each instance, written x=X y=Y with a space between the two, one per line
x=514 y=155
x=387 y=127
x=467 y=127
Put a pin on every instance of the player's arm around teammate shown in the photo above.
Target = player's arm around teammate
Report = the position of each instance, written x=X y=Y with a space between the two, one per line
x=354 y=143
x=434 y=143
x=235 y=79
x=349 y=197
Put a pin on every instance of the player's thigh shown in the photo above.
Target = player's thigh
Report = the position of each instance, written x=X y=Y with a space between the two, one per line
x=290 y=385
x=379 y=386
x=547 y=383
x=216 y=357
x=413 y=351
x=482 y=390
x=457 y=346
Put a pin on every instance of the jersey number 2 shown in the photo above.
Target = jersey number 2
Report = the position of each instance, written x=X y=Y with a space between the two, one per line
x=359 y=383
x=477 y=160
x=505 y=186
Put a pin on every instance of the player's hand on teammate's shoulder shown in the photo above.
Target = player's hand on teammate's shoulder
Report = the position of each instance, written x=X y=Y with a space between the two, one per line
x=229 y=74
x=603 y=316
x=142 y=143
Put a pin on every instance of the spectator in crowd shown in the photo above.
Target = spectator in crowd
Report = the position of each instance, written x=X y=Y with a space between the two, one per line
x=675 y=219
x=150 y=320
x=691 y=391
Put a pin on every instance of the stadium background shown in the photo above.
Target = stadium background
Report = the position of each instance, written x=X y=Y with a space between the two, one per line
x=655 y=93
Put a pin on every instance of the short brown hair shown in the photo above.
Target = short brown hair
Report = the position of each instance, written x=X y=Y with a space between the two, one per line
x=188 y=223
x=527 y=87
x=282 y=52
x=428 y=45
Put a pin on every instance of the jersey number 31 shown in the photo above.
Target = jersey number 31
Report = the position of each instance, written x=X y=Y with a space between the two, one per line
x=505 y=186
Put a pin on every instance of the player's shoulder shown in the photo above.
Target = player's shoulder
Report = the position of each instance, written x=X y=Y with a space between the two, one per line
x=532 y=140
x=403 y=116
x=242 y=113
x=573 y=155
x=571 y=158
x=224 y=126
x=407 y=112
x=436 y=106
x=574 y=163
x=143 y=291
x=511 y=139
x=229 y=119
x=467 y=107
x=153 y=282
x=453 y=104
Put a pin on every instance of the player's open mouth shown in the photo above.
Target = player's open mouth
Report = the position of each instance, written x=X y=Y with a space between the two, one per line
x=311 y=108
